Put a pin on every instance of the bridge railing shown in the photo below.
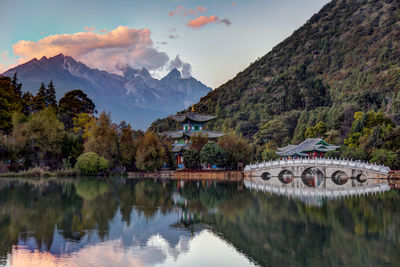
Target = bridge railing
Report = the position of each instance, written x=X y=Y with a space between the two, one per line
x=357 y=164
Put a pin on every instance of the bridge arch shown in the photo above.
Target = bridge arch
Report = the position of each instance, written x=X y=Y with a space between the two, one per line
x=340 y=177
x=266 y=176
x=286 y=176
x=361 y=178
x=312 y=177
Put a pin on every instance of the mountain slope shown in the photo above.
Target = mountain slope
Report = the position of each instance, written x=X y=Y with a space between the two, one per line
x=135 y=96
x=344 y=59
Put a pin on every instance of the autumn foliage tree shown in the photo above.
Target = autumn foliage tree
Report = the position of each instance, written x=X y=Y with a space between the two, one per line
x=150 y=152
x=103 y=138
x=237 y=150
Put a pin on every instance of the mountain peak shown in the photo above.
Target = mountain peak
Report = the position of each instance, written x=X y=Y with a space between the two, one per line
x=173 y=74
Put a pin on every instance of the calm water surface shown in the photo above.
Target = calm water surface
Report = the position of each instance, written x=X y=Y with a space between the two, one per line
x=91 y=222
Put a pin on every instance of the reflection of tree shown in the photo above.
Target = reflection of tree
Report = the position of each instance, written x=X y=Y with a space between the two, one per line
x=272 y=230
x=356 y=231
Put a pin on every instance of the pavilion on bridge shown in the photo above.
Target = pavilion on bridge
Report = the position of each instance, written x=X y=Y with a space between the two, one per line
x=190 y=124
x=309 y=148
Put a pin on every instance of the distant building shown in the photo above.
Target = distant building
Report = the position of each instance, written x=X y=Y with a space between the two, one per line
x=310 y=148
x=190 y=124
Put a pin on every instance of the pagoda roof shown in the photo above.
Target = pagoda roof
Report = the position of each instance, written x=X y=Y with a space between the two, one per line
x=308 y=145
x=180 y=134
x=193 y=117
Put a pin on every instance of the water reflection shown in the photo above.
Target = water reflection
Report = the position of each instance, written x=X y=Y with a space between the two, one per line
x=122 y=222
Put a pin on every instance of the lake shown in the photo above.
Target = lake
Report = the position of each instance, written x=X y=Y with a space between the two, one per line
x=132 y=222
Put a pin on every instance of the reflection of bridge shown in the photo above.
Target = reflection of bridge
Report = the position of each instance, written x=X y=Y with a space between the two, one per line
x=339 y=170
x=314 y=196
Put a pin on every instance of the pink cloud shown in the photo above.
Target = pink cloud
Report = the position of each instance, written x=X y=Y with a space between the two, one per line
x=233 y=3
x=204 y=20
x=103 y=30
x=119 y=47
x=176 y=11
x=89 y=29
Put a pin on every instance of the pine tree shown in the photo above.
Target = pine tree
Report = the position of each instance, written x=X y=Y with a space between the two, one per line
x=50 y=95
x=17 y=86
x=27 y=103
x=39 y=99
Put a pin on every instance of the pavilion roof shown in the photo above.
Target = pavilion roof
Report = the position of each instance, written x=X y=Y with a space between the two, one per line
x=193 y=116
x=180 y=134
x=310 y=144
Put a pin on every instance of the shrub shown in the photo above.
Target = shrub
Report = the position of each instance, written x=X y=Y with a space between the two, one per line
x=191 y=158
x=91 y=163
x=212 y=154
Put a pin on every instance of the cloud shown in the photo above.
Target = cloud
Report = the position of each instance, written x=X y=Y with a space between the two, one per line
x=204 y=20
x=176 y=11
x=185 y=68
x=173 y=36
x=119 y=47
x=103 y=30
x=89 y=29
x=233 y=3
x=192 y=11
x=227 y=22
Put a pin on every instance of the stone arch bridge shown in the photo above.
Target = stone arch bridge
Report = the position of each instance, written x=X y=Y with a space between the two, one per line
x=336 y=170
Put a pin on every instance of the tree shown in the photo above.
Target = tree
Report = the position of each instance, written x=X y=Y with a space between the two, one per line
x=150 y=152
x=17 y=86
x=75 y=102
x=191 y=158
x=39 y=100
x=198 y=141
x=50 y=96
x=319 y=130
x=237 y=150
x=27 y=103
x=91 y=163
x=72 y=147
x=83 y=124
x=128 y=148
x=103 y=138
x=9 y=103
x=42 y=134
x=212 y=154
x=386 y=157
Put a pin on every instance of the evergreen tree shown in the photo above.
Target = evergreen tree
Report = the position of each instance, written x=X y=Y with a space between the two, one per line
x=9 y=103
x=50 y=95
x=17 y=86
x=39 y=99
x=27 y=103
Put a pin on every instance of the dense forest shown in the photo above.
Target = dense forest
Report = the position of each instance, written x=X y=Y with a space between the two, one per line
x=337 y=77
x=39 y=133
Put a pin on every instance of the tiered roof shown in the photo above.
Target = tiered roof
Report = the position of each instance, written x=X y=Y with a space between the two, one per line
x=193 y=117
x=310 y=144
x=180 y=134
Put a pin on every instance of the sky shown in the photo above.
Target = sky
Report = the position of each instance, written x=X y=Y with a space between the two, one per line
x=211 y=40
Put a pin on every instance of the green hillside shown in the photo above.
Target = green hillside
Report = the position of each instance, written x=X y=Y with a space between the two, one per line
x=343 y=60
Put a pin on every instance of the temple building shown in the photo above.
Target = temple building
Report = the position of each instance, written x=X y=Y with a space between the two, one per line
x=310 y=148
x=190 y=124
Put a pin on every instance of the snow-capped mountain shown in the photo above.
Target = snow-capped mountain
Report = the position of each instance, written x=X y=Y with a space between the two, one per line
x=135 y=96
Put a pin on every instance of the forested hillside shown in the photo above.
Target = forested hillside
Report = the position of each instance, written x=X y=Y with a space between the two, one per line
x=345 y=59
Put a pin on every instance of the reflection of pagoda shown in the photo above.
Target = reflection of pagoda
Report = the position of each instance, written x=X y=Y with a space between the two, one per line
x=190 y=124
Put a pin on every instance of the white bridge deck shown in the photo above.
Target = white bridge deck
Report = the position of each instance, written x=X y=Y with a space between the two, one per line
x=318 y=162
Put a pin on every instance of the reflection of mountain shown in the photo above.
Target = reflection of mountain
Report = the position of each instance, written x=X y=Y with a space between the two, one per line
x=134 y=96
x=140 y=231
x=68 y=218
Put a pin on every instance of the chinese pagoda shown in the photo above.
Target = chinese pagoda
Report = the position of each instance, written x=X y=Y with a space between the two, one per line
x=190 y=124
x=310 y=148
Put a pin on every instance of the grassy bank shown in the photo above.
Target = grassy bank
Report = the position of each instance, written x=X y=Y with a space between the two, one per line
x=40 y=172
